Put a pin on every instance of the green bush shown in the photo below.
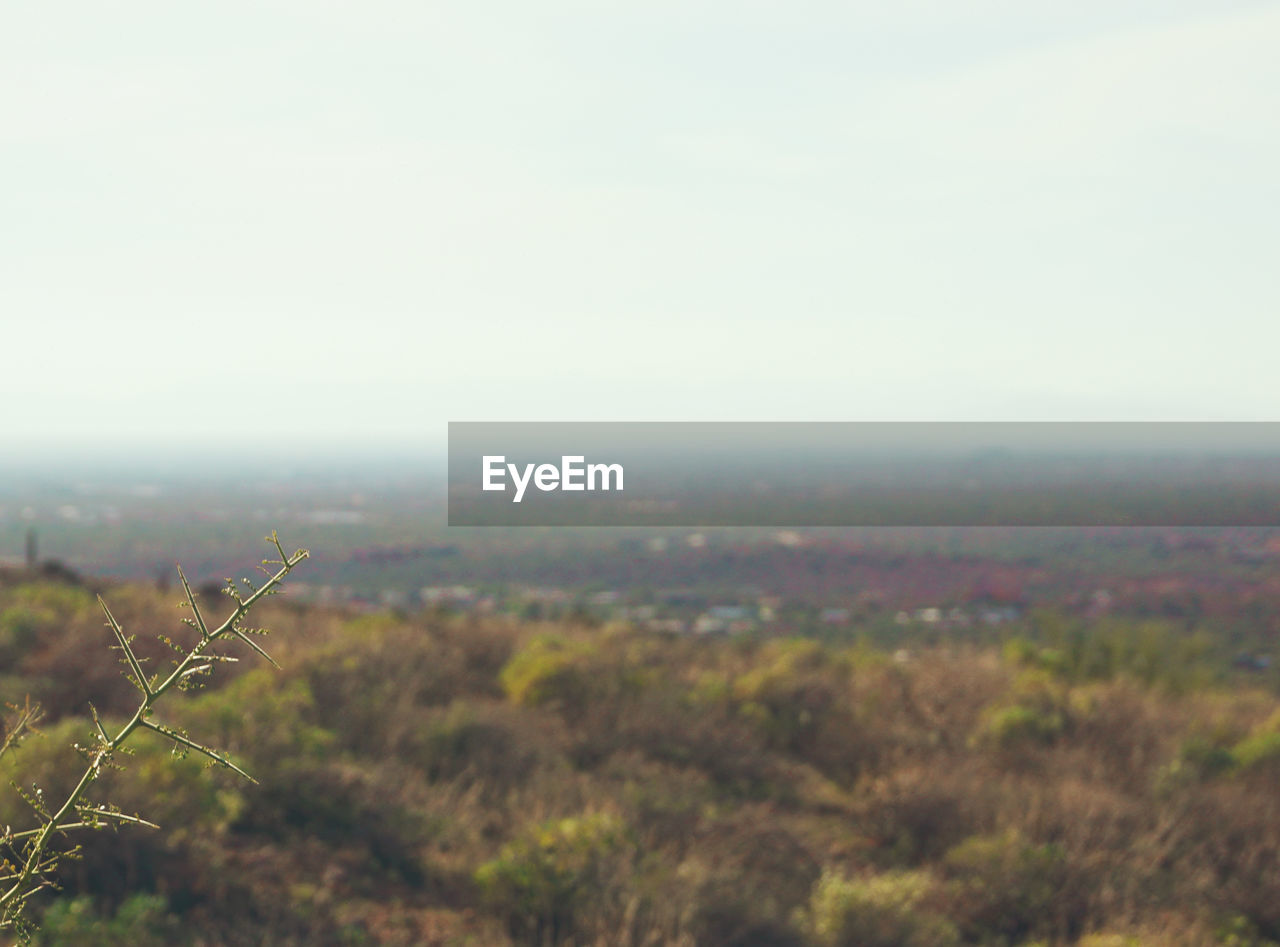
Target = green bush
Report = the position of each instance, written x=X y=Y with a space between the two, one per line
x=559 y=876
x=551 y=671
x=881 y=911
x=142 y=920
x=788 y=696
x=1007 y=727
x=1239 y=931
x=1261 y=747
x=260 y=717
x=1036 y=712
x=20 y=625
x=1205 y=758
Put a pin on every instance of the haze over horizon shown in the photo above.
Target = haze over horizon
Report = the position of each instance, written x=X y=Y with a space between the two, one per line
x=338 y=227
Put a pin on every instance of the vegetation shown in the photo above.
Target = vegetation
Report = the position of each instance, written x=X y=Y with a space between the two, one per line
x=28 y=858
x=461 y=779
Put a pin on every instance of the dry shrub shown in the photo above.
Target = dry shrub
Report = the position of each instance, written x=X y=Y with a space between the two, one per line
x=725 y=909
x=373 y=679
x=1123 y=733
x=916 y=813
x=482 y=743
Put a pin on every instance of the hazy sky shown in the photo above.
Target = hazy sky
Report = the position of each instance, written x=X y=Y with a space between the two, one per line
x=353 y=222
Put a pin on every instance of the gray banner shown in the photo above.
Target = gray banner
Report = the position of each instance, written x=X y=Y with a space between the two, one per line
x=864 y=474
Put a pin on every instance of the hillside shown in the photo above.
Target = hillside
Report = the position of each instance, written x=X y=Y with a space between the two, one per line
x=464 y=779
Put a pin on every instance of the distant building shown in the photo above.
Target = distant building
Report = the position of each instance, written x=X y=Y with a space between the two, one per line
x=999 y=616
x=544 y=594
x=454 y=595
x=1251 y=662
x=393 y=598
x=674 y=626
x=707 y=625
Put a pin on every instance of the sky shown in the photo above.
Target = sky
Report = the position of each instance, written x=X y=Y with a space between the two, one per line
x=344 y=225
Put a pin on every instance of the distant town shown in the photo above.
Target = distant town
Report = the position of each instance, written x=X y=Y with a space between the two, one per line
x=381 y=544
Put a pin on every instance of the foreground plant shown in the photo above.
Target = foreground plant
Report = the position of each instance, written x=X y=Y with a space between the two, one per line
x=21 y=724
x=27 y=859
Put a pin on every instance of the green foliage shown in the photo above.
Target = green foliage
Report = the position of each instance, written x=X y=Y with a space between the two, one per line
x=551 y=670
x=283 y=721
x=1261 y=747
x=1206 y=758
x=174 y=791
x=1008 y=727
x=62 y=602
x=142 y=920
x=1153 y=652
x=1035 y=712
x=886 y=910
x=1257 y=749
x=790 y=692
x=545 y=881
x=19 y=627
x=1239 y=931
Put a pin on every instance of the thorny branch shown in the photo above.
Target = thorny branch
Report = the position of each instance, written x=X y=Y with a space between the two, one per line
x=26 y=861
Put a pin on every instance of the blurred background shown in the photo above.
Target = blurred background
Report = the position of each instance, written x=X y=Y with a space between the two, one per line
x=254 y=257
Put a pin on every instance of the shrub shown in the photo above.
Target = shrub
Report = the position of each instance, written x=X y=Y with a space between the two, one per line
x=1007 y=727
x=880 y=911
x=551 y=671
x=558 y=877
x=790 y=697
x=19 y=627
x=141 y=921
x=1257 y=749
x=1239 y=931
x=1198 y=759
x=1003 y=887
x=1261 y=747
x=491 y=746
x=729 y=910
x=917 y=814
x=1036 y=712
